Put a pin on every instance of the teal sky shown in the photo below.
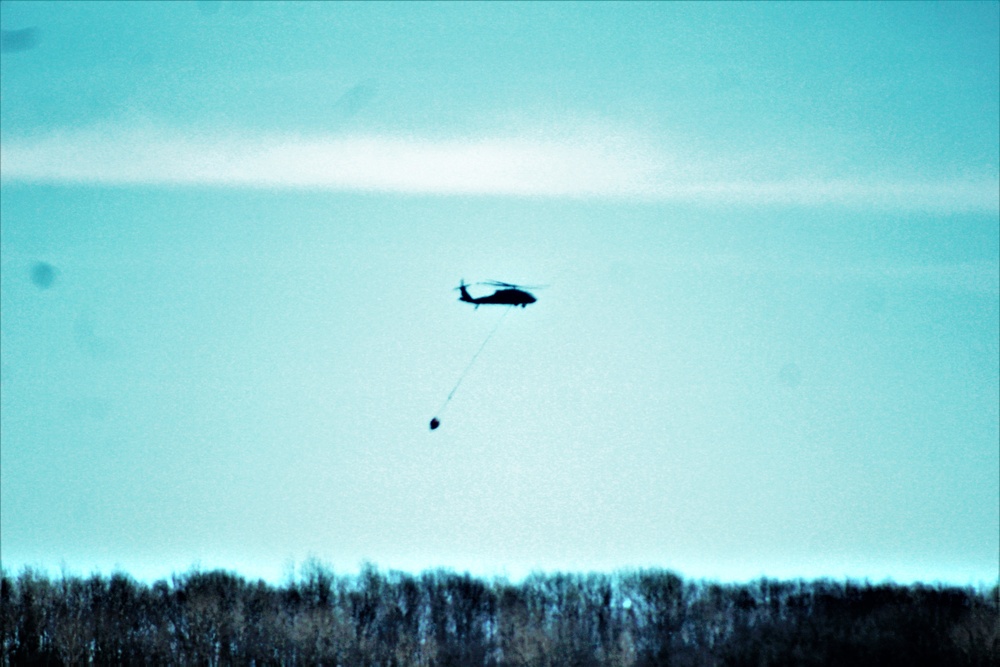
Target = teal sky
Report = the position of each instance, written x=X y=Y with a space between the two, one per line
x=768 y=345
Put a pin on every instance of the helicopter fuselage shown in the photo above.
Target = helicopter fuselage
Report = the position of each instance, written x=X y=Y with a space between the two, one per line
x=502 y=297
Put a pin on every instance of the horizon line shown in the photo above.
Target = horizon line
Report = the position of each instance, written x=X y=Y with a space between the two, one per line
x=292 y=569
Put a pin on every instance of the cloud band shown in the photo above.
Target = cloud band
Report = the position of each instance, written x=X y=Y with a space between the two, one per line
x=587 y=168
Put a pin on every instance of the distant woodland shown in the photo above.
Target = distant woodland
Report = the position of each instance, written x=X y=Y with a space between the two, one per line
x=440 y=618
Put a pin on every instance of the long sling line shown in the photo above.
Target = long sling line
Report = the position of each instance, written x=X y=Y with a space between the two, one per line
x=435 y=422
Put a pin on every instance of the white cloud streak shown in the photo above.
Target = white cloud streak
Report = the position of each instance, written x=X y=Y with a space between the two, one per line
x=979 y=276
x=601 y=167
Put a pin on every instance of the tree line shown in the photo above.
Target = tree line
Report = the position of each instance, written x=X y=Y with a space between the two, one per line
x=441 y=618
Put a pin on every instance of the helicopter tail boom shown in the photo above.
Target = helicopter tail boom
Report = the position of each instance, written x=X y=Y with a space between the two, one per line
x=465 y=296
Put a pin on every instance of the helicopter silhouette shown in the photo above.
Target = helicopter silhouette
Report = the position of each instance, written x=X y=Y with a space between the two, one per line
x=509 y=295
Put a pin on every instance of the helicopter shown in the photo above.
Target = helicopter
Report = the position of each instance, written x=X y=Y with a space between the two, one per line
x=508 y=295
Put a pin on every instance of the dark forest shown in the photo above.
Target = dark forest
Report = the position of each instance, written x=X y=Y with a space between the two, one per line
x=442 y=618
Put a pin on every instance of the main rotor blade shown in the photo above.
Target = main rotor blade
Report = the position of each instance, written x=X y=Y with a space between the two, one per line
x=498 y=283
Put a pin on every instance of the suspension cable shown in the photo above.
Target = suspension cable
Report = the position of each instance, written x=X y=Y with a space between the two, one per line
x=435 y=421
